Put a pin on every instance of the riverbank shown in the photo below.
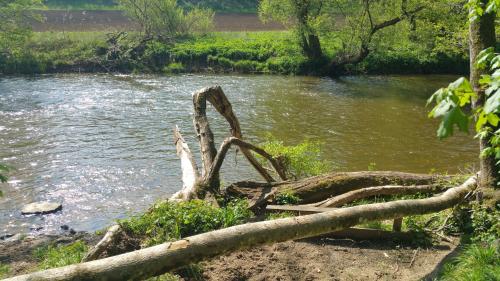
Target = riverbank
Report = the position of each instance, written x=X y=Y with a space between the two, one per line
x=394 y=260
x=271 y=52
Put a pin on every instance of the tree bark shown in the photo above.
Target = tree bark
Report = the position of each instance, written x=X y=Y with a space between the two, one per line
x=190 y=174
x=218 y=99
x=351 y=196
x=157 y=260
x=481 y=37
x=315 y=189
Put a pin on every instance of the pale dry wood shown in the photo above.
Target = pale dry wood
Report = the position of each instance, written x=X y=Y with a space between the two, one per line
x=109 y=238
x=157 y=260
x=301 y=210
x=215 y=95
x=351 y=196
x=190 y=173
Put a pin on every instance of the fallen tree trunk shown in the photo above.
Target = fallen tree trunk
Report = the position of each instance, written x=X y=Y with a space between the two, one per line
x=163 y=258
x=319 y=188
x=351 y=196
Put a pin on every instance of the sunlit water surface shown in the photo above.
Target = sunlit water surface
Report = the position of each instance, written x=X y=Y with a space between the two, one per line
x=102 y=144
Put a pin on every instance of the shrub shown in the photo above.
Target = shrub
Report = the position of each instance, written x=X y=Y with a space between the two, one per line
x=169 y=221
x=4 y=270
x=301 y=160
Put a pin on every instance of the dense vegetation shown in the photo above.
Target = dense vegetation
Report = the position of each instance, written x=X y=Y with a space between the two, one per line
x=257 y=52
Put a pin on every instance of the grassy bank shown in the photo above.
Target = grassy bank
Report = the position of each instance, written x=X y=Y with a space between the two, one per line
x=241 y=52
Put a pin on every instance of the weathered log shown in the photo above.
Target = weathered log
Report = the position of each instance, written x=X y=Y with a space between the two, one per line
x=315 y=189
x=160 y=259
x=299 y=209
x=190 y=173
x=351 y=196
x=217 y=163
x=218 y=99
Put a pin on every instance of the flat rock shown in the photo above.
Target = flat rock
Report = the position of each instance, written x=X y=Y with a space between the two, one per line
x=41 y=208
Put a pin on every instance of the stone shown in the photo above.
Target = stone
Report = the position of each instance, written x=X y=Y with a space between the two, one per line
x=41 y=208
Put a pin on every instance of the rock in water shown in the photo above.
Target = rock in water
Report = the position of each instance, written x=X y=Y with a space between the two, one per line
x=41 y=208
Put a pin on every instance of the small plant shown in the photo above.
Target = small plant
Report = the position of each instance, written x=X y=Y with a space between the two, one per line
x=372 y=166
x=279 y=215
x=286 y=198
x=485 y=223
x=56 y=256
x=169 y=221
x=4 y=270
x=476 y=263
x=302 y=160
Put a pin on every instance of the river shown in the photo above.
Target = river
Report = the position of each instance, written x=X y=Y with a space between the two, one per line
x=102 y=144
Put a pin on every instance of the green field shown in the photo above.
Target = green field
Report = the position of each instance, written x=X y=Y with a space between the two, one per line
x=224 y=6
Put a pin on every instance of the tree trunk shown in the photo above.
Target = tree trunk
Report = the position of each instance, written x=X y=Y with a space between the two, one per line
x=315 y=189
x=482 y=36
x=157 y=260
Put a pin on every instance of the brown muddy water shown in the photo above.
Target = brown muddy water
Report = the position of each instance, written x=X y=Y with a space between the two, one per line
x=102 y=144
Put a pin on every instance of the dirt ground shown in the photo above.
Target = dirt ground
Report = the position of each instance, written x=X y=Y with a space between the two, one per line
x=329 y=259
x=308 y=260
x=115 y=20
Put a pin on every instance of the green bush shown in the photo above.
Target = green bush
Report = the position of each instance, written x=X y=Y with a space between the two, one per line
x=57 y=256
x=302 y=160
x=169 y=221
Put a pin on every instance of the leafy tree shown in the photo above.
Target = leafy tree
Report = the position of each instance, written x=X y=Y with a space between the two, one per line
x=355 y=22
x=3 y=177
x=479 y=99
x=15 y=17
x=164 y=19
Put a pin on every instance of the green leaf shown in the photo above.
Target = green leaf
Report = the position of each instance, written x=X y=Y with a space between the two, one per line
x=452 y=118
x=492 y=103
x=442 y=108
x=484 y=58
x=493 y=119
x=495 y=63
x=481 y=121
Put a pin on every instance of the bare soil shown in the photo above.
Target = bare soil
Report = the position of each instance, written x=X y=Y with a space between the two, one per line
x=309 y=259
x=117 y=21
x=329 y=259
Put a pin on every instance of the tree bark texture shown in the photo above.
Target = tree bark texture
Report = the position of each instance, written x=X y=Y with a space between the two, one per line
x=481 y=37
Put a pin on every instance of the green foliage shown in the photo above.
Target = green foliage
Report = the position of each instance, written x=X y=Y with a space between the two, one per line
x=169 y=221
x=476 y=263
x=452 y=104
x=15 y=16
x=56 y=256
x=175 y=67
x=165 y=19
x=302 y=160
x=4 y=270
x=286 y=198
x=485 y=223
x=279 y=215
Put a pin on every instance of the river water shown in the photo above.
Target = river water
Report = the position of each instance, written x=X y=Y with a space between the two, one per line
x=102 y=144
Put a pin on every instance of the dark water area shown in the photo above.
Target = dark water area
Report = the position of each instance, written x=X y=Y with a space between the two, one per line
x=102 y=144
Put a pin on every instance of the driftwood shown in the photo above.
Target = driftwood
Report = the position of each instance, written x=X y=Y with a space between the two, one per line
x=319 y=188
x=195 y=185
x=157 y=260
x=351 y=196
